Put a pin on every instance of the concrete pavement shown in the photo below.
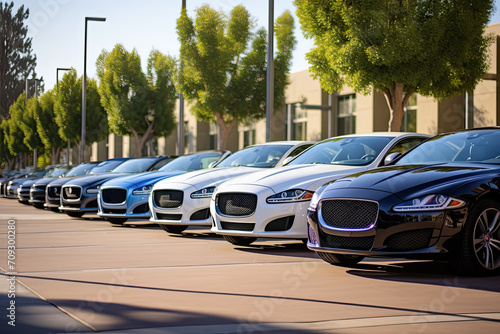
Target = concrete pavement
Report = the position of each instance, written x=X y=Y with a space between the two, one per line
x=84 y=275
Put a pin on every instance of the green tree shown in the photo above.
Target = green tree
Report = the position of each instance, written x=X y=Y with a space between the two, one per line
x=14 y=135
x=137 y=104
x=398 y=47
x=68 y=102
x=224 y=73
x=46 y=125
x=16 y=59
x=27 y=124
x=5 y=155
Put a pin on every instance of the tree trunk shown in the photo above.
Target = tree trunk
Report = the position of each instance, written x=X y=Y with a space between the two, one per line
x=224 y=130
x=141 y=140
x=54 y=155
x=397 y=103
x=11 y=163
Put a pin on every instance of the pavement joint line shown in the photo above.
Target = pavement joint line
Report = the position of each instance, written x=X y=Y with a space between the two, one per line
x=164 y=267
x=84 y=323
x=317 y=325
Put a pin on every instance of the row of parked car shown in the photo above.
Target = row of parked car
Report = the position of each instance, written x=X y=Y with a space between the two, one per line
x=378 y=194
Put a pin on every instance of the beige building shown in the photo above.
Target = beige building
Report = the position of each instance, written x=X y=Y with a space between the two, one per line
x=311 y=114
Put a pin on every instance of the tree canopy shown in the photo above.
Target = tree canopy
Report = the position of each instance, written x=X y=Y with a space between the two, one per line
x=17 y=62
x=138 y=104
x=398 y=47
x=68 y=102
x=224 y=73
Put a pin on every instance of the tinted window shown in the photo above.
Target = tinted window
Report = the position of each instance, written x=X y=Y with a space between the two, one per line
x=470 y=146
x=106 y=166
x=256 y=156
x=405 y=145
x=356 y=151
x=161 y=163
x=56 y=172
x=191 y=162
x=135 y=165
x=81 y=169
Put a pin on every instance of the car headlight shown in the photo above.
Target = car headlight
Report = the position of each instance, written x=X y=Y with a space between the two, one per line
x=94 y=189
x=293 y=195
x=314 y=202
x=203 y=193
x=146 y=190
x=429 y=203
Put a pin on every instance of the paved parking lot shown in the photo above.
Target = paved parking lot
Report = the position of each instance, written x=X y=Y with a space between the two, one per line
x=85 y=275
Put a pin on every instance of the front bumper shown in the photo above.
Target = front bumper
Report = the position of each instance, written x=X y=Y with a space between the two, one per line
x=134 y=206
x=84 y=202
x=277 y=220
x=417 y=235
x=192 y=211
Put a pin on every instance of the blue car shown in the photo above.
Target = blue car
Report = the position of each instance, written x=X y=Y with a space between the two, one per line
x=79 y=195
x=127 y=197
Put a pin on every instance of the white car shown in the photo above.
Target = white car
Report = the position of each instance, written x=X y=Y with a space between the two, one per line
x=184 y=200
x=273 y=203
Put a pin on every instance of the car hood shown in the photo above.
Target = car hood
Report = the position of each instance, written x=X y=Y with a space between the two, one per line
x=94 y=179
x=29 y=182
x=309 y=177
x=62 y=180
x=44 y=181
x=208 y=177
x=407 y=181
x=143 y=179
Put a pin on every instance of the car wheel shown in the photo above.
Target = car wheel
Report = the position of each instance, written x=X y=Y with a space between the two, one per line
x=340 y=259
x=75 y=214
x=177 y=229
x=118 y=221
x=478 y=251
x=239 y=241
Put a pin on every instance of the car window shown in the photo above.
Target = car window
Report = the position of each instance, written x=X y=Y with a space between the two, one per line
x=160 y=164
x=191 y=162
x=263 y=156
x=405 y=145
x=106 y=166
x=135 y=165
x=352 y=151
x=81 y=169
x=470 y=146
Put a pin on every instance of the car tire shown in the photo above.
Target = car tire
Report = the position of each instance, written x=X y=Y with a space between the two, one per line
x=478 y=249
x=340 y=259
x=118 y=221
x=75 y=214
x=239 y=241
x=176 y=229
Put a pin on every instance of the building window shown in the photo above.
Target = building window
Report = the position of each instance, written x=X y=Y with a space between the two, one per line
x=212 y=134
x=409 y=123
x=346 y=118
x=248 y=137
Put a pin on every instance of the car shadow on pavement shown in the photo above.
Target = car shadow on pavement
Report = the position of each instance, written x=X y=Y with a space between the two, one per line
x=423 y=272
x=287 y=249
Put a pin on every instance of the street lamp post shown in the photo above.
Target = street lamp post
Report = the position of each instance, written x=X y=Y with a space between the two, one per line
x=270 y=70
x=84 y=88
x=57 y=88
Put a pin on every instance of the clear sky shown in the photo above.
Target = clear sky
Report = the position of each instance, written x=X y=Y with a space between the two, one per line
x=57 y=28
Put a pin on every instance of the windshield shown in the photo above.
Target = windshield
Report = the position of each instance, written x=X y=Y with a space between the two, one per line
x=81 y=169
x=135 y=165
x=351 y=151
x=263 y=156
x=56 y=172
x=191 y=162
x=106 y=166
x=471 y=146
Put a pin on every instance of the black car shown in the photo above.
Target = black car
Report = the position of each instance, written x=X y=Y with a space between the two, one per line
x=79 y=195
x=37 y=189
x=440 y=200
x=53 y=189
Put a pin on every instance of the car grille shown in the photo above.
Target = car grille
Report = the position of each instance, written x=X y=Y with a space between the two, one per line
x=114 y=196
x=168 y=198
x=164 y=216
x=349 y=214
x=200 y=215
x=71 y=192
x=53 y=192
x=237 y=204
x=409 y=240
x=237 y=226
x=356 y=243
x=280 y=224
x=117 y=211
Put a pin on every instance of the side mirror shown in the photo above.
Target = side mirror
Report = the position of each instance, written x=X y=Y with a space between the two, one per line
x=210 y=165
x=390 y=158
x=287 y=160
